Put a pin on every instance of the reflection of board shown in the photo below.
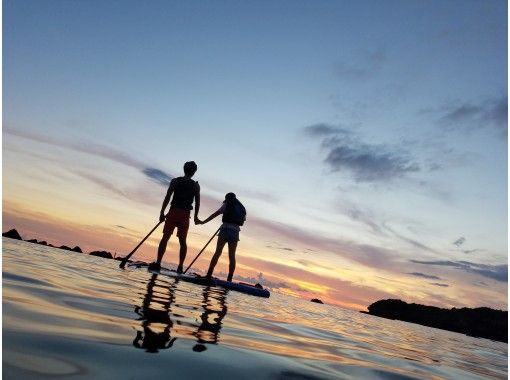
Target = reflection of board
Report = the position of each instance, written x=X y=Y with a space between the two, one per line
x=237 y=286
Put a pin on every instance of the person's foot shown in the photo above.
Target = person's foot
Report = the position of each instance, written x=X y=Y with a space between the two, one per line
x=179 y=270
x=154 y=266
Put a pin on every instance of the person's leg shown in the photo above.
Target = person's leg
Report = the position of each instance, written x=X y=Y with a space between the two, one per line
x=232 y=246
x=182 y=253
x=182 y=233
x=162 y=245
x=219 y=248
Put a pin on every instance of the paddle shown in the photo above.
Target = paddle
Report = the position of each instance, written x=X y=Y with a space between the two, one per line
x=199 y=253
x=125 y=259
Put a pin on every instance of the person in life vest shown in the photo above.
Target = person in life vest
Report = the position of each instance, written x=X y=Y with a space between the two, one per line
x=184 y=191
x=234 y=215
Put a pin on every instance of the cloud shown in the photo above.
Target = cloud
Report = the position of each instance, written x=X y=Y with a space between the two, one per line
x=95 y=149
x=320 y=130
x=369 y=163
x=413 y=242
x=468 y=251
x=358 y=215
x=491 y=112
x=365 y=254
x=360 y=68
x=459 y=241
x=158 y=176
x=99 y=150
x=336 y=289
x=365 y=162
x=439 y=284
x=427 y=276
x=100 y=182
x=495 y=272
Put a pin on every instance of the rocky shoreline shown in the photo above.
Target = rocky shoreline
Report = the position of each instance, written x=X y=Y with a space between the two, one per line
x=481 y=322
x=13 y=234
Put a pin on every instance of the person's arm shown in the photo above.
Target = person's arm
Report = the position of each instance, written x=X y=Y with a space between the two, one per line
x=166 y=200
x=197 y=202
x=215 y=214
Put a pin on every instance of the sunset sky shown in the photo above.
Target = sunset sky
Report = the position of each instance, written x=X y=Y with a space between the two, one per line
x=367 y=139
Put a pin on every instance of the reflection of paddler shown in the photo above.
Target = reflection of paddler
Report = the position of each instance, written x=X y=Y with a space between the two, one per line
x=215 y=309
x=152 y=338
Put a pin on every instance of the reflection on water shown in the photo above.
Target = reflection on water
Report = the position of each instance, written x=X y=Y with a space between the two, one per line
x=71 y=315
x=215 y=309
x=156 y=315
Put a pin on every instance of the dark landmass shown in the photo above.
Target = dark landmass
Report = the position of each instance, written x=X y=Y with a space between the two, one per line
x=316 y=300
x=104 y=254
x=13 y=234
x=75 y=249
x=481 y=322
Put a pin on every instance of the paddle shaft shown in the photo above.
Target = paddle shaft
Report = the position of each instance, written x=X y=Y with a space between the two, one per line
x=125 y=259
x=199 y=253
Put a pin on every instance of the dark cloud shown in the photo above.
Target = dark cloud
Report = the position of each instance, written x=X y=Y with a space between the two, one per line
x=369 y=163
x=100 y=182
x=487 y=113
x=497 y=112
x=366 y=162
x=427 y=276
x=320 y=130
x=439 y=284
x=460 y=113
x=459 y=241
x=495 y=272
x=157 y=176
x=361 y=67
x=469 y=251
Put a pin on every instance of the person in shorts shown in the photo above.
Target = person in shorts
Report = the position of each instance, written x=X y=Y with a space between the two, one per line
x=183 y=191
x=234 y=215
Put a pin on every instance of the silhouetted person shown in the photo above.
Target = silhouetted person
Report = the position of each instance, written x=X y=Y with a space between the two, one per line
x=234 y=215
x=184 y=191
x=150 y=339
x=211 y=318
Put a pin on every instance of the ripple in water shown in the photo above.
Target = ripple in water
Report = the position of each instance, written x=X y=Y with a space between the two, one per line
x=67 y=314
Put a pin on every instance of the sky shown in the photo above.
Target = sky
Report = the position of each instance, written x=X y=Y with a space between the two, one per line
x=366 y=139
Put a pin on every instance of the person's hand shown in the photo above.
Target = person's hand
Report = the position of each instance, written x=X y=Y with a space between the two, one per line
x=161 y=217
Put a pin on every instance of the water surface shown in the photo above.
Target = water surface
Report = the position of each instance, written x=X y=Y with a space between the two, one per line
x=70 y=315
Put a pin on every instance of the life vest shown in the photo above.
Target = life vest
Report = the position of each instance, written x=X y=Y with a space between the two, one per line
x=234 y=213
x=184 y=193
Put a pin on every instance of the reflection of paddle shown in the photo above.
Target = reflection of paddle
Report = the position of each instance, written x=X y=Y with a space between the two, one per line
x=125 y=259
x=199 y=253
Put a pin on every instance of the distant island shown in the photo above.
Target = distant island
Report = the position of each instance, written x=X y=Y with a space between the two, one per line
x=481 y=322
x=13 y=234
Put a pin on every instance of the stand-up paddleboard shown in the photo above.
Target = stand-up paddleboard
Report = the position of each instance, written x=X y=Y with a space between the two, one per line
x=195 y=279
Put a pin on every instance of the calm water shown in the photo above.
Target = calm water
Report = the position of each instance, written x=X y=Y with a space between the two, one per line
x=70 y=315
